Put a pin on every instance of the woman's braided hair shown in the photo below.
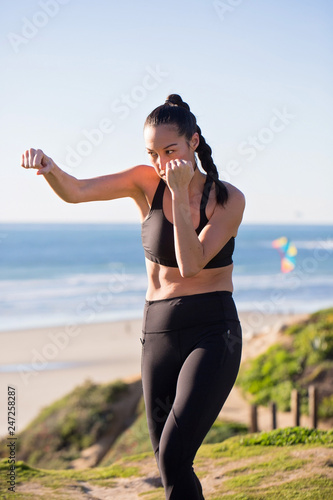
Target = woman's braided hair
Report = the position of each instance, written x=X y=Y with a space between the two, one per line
x=177 y=112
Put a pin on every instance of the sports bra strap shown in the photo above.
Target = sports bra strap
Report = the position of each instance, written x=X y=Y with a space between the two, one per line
x=157 y=203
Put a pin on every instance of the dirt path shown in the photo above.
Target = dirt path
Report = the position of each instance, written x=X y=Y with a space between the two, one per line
x=213 y=475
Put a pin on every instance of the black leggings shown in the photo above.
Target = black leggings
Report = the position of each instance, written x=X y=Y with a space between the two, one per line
x=191 y=350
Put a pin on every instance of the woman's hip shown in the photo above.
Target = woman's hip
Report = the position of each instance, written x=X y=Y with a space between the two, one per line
x=189 y=311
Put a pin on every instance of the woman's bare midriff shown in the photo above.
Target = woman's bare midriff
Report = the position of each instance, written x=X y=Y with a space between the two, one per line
x=166 y=282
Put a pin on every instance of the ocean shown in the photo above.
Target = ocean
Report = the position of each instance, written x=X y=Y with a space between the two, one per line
x=59 y=274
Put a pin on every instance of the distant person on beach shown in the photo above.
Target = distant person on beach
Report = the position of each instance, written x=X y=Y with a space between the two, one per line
x=191 y=335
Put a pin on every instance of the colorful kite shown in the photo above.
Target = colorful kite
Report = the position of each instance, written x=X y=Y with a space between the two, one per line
x=288 y=253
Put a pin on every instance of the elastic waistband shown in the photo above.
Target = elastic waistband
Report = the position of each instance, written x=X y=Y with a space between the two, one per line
x=187 y=311
x=190 y=298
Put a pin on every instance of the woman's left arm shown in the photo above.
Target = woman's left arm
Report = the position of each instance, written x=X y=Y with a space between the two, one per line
x=194 y=251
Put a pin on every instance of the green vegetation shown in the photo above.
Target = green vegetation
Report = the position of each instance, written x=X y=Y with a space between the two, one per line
x=69 y=425
x=252 y=467
x=56 y=480
x=289 y=436
x=305 y=357
x=224 y=430
x=326 y=407
x=135 y=440
x=62 y=430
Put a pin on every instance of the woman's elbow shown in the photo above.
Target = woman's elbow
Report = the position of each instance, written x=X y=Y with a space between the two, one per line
x=189 y=271
x=73 y=196
x=74 y=201
x=70 y=199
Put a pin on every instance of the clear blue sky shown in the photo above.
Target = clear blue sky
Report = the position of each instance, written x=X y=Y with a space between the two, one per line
x=256 y=73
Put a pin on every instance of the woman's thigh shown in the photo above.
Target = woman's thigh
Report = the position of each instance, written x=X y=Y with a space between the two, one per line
x=203 y=385
x=160 y=369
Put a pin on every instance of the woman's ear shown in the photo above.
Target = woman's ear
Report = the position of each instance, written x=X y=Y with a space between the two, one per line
x=194 y=143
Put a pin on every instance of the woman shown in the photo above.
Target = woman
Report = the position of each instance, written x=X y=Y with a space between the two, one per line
x=191 y=340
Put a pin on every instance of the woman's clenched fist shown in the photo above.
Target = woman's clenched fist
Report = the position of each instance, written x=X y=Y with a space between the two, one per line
x=35 y=158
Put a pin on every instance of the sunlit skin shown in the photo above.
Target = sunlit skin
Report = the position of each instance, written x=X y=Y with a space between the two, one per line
x=208 y=364
x=173 y=159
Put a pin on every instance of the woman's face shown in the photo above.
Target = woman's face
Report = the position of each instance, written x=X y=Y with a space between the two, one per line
x=164 y=144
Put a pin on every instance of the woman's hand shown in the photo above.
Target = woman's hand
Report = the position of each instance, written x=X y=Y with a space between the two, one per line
x=35 y=158
x=178 y=174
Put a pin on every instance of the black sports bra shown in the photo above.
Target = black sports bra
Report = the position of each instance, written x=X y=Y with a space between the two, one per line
x=158 y=238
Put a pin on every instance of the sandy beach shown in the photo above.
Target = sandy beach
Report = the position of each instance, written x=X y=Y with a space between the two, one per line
x=44 y=364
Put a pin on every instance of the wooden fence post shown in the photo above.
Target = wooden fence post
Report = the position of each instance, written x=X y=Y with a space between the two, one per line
x=313 y=402
x=295 y=407
x=273 y=409
x=254 y=418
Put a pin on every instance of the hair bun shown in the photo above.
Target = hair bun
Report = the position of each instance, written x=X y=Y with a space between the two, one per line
x=176 y=100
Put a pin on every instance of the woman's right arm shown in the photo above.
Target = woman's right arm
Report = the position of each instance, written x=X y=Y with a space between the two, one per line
x=127 y=183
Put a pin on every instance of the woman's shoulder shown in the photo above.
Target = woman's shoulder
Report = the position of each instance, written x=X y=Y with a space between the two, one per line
x=144 y=172
x=229 y=214
x=146 y=180
x=235 y=195
x=142 y=169
x=232 y=211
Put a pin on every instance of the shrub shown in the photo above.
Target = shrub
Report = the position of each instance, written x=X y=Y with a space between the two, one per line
x=272 y=375
x=289 y=436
